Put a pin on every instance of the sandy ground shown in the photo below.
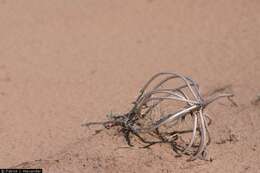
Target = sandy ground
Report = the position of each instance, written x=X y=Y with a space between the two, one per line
x=66 y=62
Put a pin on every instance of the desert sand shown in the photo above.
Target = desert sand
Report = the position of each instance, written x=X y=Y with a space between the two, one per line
x=63 y=63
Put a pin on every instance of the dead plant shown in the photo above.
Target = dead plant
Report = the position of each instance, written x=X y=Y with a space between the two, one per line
x=169 y=109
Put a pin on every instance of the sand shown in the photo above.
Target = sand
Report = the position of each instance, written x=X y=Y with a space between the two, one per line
x=66 y=62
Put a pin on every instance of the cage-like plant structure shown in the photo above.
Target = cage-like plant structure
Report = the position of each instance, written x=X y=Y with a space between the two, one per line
x=169 y=109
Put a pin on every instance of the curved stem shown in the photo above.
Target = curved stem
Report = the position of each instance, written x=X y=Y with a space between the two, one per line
x=203 y=131
x=193 y=133
x=213 y=98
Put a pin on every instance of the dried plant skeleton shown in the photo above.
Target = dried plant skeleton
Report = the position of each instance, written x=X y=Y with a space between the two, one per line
x=169 y=109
